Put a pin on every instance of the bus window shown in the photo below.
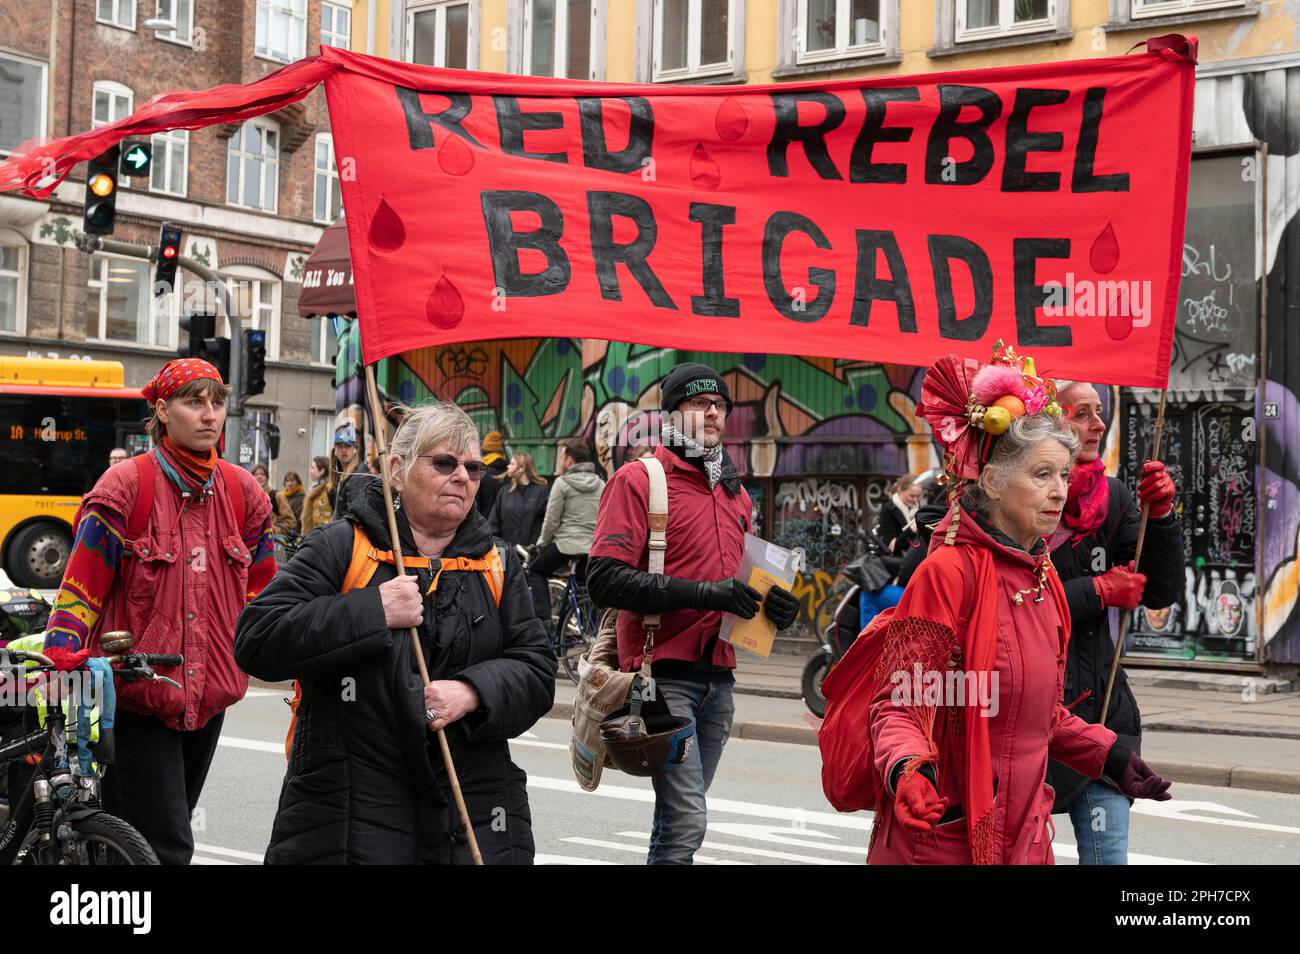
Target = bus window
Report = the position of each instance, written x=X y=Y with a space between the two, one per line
x=59 y=446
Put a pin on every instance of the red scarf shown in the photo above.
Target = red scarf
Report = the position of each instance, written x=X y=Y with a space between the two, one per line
x=1086 y=505
x=196 y=466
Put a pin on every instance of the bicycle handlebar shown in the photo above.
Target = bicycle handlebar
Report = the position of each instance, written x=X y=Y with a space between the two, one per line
x=149 y=659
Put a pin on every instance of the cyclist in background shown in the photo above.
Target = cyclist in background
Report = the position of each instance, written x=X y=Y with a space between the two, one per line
x=570 y=521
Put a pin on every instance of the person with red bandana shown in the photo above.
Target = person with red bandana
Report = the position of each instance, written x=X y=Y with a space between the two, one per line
x=170 y=546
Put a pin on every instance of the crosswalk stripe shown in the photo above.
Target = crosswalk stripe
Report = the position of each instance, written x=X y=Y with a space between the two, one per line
x=758 y=852
x=229 y=852
x=640 y=850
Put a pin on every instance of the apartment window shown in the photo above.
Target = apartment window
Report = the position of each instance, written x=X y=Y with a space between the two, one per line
x=329 y=201
x=255 y=295
x=834 y=29
x=988 y=19
x=180 y=13
x=322 y=437
x=324 y=342
x=252 y=165
x=443 y=34
x=254 y=438
x=281 y=29
x=118 y=13
x=127 y=310
x=13 y=284
x=562 y=39
x=693 y=38
x=22 y=101
x=111 y=102
x=171 y=152
x=336 y=25
x=1159 y=8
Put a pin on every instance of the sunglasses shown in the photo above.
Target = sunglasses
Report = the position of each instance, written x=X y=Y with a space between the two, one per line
x=446 y=465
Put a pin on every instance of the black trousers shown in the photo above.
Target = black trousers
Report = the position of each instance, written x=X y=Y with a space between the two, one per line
x=156 y=778
x=544 y=566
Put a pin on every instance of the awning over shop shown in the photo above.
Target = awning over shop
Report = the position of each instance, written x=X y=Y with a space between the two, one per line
x=327 y=277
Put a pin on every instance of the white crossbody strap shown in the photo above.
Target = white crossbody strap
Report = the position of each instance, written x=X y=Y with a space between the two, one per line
x=657 y=518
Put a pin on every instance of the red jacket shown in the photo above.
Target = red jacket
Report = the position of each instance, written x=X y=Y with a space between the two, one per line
x=179 y=588
x=706 y=539
x=1027 y=722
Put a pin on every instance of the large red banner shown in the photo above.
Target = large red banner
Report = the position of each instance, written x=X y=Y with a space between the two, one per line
x=892 y=219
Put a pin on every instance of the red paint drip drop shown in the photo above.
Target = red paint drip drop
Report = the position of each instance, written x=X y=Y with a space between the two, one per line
x=1119 y=327
x=731 y=120
x=705 y=173
x=445 y=308
x=387 y=233
x=455 y=156
x=1105 y=251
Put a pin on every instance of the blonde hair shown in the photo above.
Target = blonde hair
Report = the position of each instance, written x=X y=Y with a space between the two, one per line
x=429 y=425
x=529 y=468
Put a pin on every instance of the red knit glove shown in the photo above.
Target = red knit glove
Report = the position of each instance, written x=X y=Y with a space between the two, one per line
x=1155 y=487
x=1120 y=586
x=917 y=806
x=64 y=659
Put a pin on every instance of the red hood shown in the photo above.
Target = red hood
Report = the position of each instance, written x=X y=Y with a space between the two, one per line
x=970 y=532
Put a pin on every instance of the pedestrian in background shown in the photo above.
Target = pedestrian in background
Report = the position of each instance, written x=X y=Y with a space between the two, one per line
x=293 y=496
x=316 y=508
x=490 y=486
x=517 y=515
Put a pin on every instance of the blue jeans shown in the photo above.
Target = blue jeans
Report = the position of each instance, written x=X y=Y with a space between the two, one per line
x=1100 y=817
x=680 y=811
x=869 y=604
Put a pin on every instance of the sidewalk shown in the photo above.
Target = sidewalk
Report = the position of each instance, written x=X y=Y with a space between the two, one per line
x=1246 y=737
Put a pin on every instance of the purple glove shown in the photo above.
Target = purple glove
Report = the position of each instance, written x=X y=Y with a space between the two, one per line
x=1133 y=776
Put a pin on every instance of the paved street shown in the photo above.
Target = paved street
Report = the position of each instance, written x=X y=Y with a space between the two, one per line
x=766 y=807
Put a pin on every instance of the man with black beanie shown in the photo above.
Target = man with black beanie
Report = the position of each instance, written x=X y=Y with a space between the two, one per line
x=708 y=516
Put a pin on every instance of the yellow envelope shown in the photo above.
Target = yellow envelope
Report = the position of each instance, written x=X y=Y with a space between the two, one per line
x=758 y=634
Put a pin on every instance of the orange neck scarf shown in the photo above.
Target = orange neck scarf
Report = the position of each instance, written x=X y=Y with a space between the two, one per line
x=197 y=466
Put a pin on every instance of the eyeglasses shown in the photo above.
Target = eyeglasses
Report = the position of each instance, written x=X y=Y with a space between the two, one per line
x=703 y=404
x=446 y=465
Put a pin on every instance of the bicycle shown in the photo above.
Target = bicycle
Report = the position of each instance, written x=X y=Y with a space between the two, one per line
x=58 y=819
x=574 y=620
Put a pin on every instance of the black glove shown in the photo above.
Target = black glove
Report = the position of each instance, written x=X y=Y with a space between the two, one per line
x=780 y=606
x=1133 y=776
x=728 y=596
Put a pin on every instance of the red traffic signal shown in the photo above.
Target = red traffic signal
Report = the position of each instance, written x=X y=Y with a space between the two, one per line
x=169 y=253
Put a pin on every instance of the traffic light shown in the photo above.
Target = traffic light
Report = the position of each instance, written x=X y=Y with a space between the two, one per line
x=137 y=158
x=101 y=192
x=254 y=361
x=169 y=254
x=202 y=342
x=197 y=328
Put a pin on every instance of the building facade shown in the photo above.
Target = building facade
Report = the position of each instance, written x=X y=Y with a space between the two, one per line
x=252 y=199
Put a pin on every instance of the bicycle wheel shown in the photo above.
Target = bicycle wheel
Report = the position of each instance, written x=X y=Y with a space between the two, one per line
x=569 y=642
x=98 y=839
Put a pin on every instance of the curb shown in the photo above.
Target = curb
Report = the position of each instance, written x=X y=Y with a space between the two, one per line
x=1176 y=770
x=1223 y=728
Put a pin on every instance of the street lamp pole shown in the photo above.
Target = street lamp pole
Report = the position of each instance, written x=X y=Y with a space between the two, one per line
x=235 y=406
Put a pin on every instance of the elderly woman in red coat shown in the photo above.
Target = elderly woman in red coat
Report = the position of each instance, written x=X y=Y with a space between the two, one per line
x=966 y=708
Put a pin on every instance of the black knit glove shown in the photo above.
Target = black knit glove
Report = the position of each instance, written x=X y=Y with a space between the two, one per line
x=780 y=606
x=728 y=596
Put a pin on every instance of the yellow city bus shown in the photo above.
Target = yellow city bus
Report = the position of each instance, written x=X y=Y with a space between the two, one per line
x=59 y=419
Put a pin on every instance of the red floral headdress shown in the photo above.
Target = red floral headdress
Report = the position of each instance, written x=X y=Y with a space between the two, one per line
x=968 y=404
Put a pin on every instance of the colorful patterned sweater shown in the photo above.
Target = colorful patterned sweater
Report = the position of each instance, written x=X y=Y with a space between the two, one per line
x=92 y=567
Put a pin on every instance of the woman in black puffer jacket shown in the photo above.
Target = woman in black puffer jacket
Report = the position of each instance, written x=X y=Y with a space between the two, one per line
x=366 y=782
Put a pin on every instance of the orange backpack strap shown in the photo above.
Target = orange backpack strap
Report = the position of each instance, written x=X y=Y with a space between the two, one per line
x=492 y=566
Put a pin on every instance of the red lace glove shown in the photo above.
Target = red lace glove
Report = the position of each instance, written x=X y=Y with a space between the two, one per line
x=917 y=806
x=1155 y=487
x=64 y=659
x=1120 y=586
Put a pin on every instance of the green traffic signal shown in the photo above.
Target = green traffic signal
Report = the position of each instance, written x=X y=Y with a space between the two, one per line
x=137 y=157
